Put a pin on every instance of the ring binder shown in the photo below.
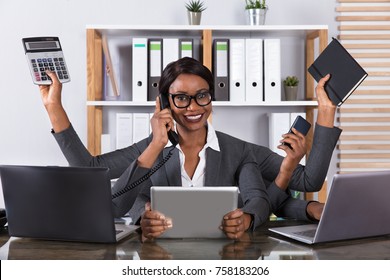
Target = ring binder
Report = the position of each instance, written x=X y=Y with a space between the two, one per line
x=154 y=67
x=140 y=70
x=221 y=69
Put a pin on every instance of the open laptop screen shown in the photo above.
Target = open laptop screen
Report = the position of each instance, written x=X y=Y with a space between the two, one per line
x=60 y=203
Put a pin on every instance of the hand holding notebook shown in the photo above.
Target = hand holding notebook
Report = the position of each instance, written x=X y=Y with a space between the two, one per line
x=346 y=73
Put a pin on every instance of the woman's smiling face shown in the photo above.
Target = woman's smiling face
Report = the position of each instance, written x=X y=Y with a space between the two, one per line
x=193 y=117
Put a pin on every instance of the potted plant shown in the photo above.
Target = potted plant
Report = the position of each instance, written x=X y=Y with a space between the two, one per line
x=256 y=11
x=194 y=10
x=291 y=87
x=255 y=4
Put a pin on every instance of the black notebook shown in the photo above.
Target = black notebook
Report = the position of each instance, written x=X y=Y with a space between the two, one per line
x=345 y=73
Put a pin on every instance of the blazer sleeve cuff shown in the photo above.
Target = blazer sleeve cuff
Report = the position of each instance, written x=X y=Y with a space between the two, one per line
x=276 y=196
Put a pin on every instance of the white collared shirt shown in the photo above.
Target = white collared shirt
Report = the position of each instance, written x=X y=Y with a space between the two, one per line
x=198 y=178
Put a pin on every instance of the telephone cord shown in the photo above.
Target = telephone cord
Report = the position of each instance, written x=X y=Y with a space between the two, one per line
x=145 y=177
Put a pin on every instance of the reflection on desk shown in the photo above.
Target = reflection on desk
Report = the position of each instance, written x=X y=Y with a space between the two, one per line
x=260 y=244
x=289 y=251
x=202 y=249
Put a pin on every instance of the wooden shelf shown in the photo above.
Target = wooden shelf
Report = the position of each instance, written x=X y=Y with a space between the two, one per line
x=280 y=30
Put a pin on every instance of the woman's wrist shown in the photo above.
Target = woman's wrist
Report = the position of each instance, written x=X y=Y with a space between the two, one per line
x=58 y=118
x=149 y=156
x=282 y=179
x=326 y=115
x=249 y=221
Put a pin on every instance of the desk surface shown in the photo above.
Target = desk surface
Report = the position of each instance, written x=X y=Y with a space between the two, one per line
x=260 y=244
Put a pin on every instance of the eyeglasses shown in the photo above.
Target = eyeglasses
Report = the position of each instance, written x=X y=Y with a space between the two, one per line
x=182 y=100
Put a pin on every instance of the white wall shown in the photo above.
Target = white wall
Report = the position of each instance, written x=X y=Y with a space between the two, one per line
x=25 y=129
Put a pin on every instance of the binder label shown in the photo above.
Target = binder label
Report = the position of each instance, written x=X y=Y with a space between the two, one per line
x=155 y=58
x=222 y=59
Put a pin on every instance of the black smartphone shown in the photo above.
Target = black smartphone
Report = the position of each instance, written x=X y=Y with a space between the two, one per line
x=301 y=125
x=172 y=136
x=3 y=217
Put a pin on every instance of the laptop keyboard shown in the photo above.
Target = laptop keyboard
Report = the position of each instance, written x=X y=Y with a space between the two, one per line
x=117 y=231
x=307 y=233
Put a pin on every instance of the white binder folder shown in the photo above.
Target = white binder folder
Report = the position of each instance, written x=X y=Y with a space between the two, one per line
x=186 y=47
x=170 y=50
x=141 y=126
x=279 y=124
x=221 y=69
x=140 y=69
x=105 y=143
x=124 y=130
x=272 y=80
x=154 y=67
x=237 y=70
x=254 y=69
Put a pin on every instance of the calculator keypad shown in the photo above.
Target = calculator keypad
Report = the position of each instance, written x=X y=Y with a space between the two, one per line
x=55 y=64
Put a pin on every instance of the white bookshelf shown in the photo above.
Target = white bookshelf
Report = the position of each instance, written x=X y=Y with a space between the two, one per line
x=215 y=104
x=311 y=39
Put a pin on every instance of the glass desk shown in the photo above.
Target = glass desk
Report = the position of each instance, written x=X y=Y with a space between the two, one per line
x=260 y=244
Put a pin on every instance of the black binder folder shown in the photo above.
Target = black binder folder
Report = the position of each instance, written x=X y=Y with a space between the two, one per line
x=221 y=69
x=155 y=58
x=346 y=73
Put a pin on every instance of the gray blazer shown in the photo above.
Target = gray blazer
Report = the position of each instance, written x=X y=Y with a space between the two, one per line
x=234 y=165
x=308 y=178
x=121 y=162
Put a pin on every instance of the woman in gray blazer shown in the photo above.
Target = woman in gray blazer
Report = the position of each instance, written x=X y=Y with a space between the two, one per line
x=232 y=164
x=202 y=157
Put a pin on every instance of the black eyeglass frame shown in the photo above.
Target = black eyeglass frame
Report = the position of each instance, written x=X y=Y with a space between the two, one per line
x=190 y=97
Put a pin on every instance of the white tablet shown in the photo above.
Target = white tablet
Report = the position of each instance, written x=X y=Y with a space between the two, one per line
x=195 y=212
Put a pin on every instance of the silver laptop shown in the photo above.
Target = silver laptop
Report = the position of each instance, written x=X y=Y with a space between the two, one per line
x=60 y=203
x=357 y=207
x=195 y=212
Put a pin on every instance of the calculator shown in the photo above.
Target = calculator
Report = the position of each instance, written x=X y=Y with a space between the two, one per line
x=45 y=53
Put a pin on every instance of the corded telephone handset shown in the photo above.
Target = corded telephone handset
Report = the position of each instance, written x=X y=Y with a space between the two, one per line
x=164 y=103
x=172 y=136
x=3 y=217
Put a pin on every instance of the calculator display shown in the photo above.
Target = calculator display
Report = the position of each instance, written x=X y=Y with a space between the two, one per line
x=45 y=53
x=42 y=45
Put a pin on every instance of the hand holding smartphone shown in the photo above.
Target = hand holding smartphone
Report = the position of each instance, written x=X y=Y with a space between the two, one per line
x=301 y=125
